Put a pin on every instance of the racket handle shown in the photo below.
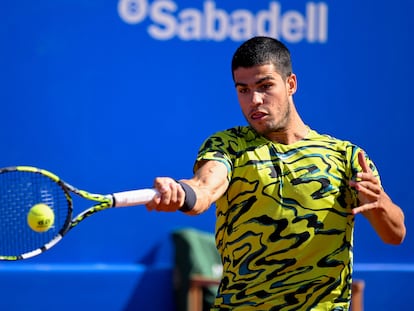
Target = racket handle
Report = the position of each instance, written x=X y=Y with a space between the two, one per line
x=133 y=197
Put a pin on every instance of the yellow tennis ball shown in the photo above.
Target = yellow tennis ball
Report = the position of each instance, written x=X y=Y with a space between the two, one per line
x=40 y=217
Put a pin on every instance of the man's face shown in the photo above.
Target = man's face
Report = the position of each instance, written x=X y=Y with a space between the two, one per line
x=265 y=97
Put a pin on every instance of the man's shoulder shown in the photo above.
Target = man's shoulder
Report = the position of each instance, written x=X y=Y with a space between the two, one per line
x=327 y=138
x=237 y=132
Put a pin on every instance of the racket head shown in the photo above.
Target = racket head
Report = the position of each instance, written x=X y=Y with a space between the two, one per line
x=21 y=187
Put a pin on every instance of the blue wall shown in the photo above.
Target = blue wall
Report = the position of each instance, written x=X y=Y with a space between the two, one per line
x=109 y=94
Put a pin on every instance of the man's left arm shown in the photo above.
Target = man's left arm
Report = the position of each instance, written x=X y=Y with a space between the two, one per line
x=385 y=216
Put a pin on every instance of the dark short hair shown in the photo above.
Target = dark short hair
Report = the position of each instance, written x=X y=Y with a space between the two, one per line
x=260 y=51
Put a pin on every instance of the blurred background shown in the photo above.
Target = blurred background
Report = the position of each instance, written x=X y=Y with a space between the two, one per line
x=110 y=94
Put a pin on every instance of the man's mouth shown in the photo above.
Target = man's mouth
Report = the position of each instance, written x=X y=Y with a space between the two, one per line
x=257 y=115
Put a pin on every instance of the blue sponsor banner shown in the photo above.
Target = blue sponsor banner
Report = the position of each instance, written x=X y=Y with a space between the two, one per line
x=208 y=21
x=110 y=94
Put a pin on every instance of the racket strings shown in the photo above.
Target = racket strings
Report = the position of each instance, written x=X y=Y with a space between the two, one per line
x=19 y=192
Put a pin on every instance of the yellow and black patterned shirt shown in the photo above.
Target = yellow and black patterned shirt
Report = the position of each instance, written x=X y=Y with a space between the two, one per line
x=284 y=227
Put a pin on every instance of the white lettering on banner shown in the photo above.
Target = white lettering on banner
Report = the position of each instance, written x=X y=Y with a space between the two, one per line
x=133 y=11
x=167 y=21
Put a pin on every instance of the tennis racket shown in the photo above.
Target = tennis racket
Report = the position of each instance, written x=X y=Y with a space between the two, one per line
x=22 y=187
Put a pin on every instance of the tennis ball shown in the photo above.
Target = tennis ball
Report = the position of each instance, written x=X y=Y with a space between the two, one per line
x=40 y=217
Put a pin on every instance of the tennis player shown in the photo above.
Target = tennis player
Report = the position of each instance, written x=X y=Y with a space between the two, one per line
x=286 y=196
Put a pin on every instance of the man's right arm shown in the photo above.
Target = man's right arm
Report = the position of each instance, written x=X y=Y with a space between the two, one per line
x=208 y=184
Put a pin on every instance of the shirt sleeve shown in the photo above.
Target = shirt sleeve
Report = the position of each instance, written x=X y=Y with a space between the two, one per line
x=216 y=148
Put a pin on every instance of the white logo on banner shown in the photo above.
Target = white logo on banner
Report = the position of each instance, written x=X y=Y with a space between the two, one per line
x=168 y=21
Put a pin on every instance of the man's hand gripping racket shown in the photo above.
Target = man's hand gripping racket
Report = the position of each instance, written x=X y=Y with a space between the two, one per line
x=24 y=187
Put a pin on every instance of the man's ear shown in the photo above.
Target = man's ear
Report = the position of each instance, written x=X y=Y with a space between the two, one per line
x=292 y=84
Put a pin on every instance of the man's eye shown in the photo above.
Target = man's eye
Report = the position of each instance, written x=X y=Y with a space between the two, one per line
x=266 y=86
x=243 y=90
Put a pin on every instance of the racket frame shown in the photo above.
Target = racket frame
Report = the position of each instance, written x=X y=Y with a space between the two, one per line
x=119 y=199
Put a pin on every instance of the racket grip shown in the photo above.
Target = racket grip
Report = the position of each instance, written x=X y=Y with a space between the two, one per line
x=133 y=197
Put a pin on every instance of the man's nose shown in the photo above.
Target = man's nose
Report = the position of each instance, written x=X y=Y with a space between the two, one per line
x=257 y=98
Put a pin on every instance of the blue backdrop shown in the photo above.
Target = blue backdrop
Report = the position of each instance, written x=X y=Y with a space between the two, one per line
x=110 y=94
